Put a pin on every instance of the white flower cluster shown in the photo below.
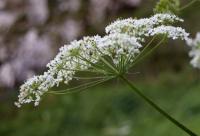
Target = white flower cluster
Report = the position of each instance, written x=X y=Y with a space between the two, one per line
x=170 y=31
x=121 y=44
x=195 y=50
x=141 y=27
x=77 y=56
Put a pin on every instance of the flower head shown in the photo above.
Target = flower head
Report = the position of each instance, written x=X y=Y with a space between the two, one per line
x=116 y=50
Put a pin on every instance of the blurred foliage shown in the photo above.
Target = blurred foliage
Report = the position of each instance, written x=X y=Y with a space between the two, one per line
x=110 y=110
x=164 y=6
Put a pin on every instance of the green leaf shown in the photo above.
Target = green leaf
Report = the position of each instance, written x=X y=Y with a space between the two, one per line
x=167 y=6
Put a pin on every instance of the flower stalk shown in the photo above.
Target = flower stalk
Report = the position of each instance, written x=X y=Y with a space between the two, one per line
x=188 y=5
x=147 y=53
x=149 y=101
x=156 y=107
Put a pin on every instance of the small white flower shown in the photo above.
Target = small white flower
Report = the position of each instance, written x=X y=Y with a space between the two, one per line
x=194 y=44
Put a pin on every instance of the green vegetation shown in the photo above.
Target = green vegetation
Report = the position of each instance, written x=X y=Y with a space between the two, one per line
x=111 y=111
x=164 y=6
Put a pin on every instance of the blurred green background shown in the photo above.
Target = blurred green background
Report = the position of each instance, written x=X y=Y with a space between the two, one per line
x=110 y=109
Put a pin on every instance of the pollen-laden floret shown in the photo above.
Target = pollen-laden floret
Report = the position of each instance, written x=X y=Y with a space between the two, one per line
x=141 y=27
x=170 y=32
x=195 y=50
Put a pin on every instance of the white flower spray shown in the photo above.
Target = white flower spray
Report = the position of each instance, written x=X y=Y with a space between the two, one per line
x=122 y=44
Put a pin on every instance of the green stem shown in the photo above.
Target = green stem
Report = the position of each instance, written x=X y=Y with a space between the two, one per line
x=149 y=101
x=187 y=5
x=144 y=49
x=149 y=52
x=109 y=65
x=80 y=88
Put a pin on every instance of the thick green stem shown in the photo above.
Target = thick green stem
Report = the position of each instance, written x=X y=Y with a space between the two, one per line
x=149 y=101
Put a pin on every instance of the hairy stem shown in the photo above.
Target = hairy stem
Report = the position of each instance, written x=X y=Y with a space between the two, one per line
x=155 y=106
